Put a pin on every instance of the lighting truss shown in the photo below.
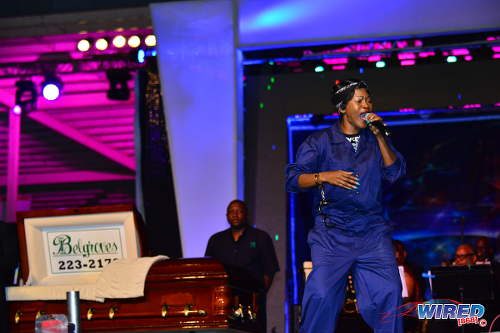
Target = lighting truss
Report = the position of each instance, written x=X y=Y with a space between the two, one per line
x=14 y=70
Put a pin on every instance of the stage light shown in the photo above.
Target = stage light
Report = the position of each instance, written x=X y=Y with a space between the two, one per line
x=101 y=44
x=319 y=69
x=83 y=45
x=374 y=58
x=338 y=67
x=140 y=56
x=459 y=52
x=118 y=88
x=50 y=92
x=119 y=41
x=134 y=41
x=380 y=64
x=26 y=95
x=51 y=87
x=143 y=54
x=335 y=61
x=407 y=62
x=17 y=109
x=406 y=56
x=426 y=54
x=150 y=40
x=451 y=59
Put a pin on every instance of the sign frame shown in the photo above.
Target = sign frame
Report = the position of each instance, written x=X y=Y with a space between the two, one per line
x=38 y=229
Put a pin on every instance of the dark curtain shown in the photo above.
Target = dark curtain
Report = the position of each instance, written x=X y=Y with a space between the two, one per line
x=9 y=259
x=155 y=183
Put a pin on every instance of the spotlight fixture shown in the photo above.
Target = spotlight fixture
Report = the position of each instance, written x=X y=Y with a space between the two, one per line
x=26 y=95
x=119 y=41
x=118 y=88
x=101 y=44
x=319 y=69
x=51 y=87
x=150 y=40
x=83 y=45
x=134 y=41
x=141 y=55
x=17 y=109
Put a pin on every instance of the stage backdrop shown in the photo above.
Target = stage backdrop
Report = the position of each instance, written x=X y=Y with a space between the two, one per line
x=194 y=79
x=200 y=73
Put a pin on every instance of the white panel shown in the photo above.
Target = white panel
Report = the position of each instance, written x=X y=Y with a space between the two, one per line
x=299 y=22
x=197 y=61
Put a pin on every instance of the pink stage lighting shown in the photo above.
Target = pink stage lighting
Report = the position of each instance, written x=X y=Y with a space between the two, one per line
x=406 y=110
x=459 y=52
x=409 y=62
x=338 y=67
x=17 y=109
x=426 y=54
x=374 y=58
x=335 y=61
x=404 y=56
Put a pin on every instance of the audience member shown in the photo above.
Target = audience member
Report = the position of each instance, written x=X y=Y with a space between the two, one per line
x=411 y=279
x=484 y=252
x=464 y=255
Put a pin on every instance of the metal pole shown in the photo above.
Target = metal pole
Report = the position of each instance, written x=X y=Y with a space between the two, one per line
x=73 y=302
x=13 y=163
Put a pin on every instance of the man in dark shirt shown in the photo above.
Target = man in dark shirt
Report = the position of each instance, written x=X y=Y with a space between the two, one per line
x=246 y=247
x=242 y=245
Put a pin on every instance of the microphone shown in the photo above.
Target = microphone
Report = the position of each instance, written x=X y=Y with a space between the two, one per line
x=382 y=127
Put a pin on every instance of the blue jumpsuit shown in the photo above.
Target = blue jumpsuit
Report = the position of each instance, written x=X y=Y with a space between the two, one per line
x=350 y=233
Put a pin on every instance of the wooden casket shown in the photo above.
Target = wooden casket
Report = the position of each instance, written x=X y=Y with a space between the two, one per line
x=180 y=295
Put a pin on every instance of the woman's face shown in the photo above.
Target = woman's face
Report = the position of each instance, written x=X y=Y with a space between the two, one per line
x=360 y=103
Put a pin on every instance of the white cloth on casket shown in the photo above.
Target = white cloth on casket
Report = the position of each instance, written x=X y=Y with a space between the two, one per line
x=123 y=278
